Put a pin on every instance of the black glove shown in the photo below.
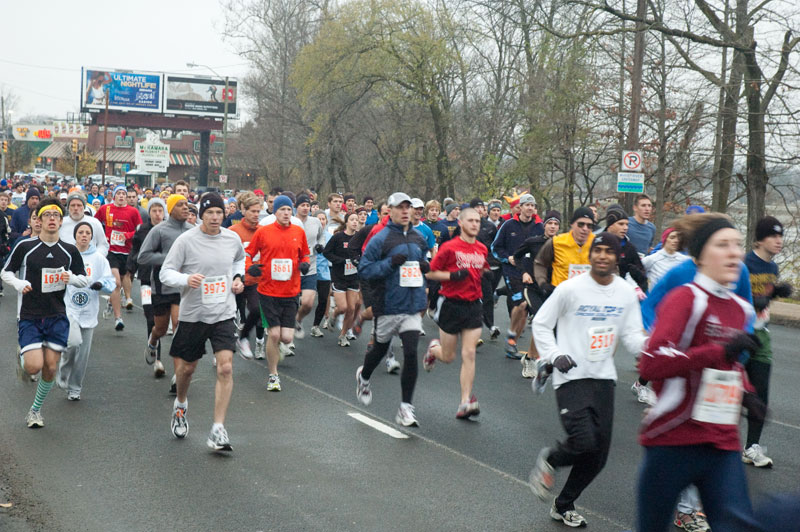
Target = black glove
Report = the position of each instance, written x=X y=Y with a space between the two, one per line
x=760 y=303
x=399 y=259
x=741 y=342
x=354 y=261
x=459 y=274
x=304 y=266
x=781 y=290
x=547 y=289
x=756 y=408
x=318 y=249
x=424 y=266
x=96 y=285
x=564 y=363
x=254 y=270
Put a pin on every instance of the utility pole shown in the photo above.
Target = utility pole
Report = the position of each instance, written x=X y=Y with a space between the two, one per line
x=632 y=142
x=105 y=134
x=225 y=130
x=3 y=152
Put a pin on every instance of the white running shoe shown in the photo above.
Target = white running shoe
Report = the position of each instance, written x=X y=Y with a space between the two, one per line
x=169 y=329
x=392 y=365
x=325 y=324
x=218 y=440
x=350 y=335
x=129 y=304
x=428 y=360
x=274 y=383
x=299 y=333
x=643 y=393
x=261 y=349
x=363 y=391
x=179 y=425
x=542 y=477
x=243 y=345
x=34 y=419
x=158 y=369
x=569 y=518
x=343 y=341
x=283 y=351
x=405 y=416
x=528 y=367
x=316 y=332
x=755 y=455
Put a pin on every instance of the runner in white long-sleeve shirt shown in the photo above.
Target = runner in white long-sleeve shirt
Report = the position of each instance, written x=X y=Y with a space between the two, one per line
x=592 y=313
x=207 y=264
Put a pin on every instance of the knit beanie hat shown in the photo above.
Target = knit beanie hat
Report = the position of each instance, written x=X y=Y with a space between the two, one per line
x=33 y=191
x=607 y=239
x=552 y=215
x=281 y=201
x=209 y=200
x=768 y=226
x=582 y=212
x=78 y=197
x=156 y=201
x=174 y=199
x=614 y=214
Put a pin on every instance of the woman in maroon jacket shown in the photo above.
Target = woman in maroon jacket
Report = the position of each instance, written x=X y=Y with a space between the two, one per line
x=691 y=434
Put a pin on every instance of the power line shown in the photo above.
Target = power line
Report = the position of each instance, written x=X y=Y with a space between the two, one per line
x=29 y=65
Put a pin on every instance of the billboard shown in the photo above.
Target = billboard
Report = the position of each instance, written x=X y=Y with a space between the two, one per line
x=199 y=96
x=126 y=90
x=70 y=129
x=32 y=132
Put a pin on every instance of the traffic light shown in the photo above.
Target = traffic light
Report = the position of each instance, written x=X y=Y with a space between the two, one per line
x=74 y=145
x=5 y=146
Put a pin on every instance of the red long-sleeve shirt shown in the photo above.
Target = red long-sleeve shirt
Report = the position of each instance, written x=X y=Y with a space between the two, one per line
x=273 y=245
x=694 y=322
x=120 y=224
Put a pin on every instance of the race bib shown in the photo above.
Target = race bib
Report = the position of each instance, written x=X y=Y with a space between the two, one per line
x=601 y=342
x=51 y=280
x=117 y=238
x=349 y=268
x=214 y=290
x=577 y=269
x=147 y=295
x=410 y=274
x=719 y=399
x=281 y=269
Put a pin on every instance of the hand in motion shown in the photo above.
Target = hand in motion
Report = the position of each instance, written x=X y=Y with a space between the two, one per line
x=196 y=279
x=96 y=285
x=399 y=259
x=458 y=275
x=304 y=266
x=741 y=342
x=564 y=363
x=254 y=270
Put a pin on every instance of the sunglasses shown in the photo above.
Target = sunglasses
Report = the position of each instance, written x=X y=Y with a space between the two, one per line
x=581 y=225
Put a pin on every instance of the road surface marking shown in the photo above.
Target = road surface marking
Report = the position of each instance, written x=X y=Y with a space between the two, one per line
x=377 y=425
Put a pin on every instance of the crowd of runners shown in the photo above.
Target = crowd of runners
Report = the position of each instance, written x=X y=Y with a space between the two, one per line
x=689 y=303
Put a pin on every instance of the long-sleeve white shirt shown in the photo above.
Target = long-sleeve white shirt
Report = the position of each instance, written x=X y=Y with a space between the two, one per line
x=659 y=263
x=591 y=319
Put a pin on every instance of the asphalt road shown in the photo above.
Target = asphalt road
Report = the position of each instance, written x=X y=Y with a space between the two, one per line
x=301 y=461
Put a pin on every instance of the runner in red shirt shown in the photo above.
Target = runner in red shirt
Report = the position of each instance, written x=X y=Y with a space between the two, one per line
x=120 y=222
x=459 y=265
x=283 y=254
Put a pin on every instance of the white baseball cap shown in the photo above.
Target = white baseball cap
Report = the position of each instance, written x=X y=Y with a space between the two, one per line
x=417 y=203
x=397 y=198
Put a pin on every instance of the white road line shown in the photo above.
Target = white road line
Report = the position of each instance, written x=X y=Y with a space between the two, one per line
x=377 y=425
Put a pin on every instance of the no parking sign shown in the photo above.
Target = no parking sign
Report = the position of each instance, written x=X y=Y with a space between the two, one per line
x=631 y=161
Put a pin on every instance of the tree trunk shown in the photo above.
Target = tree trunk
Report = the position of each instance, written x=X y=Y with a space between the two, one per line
x=441 y=131
x=756 y=150
x=730 y=115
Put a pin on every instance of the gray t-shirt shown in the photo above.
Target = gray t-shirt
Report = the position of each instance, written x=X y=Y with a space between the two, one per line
x=218 y=257
x=314 y=235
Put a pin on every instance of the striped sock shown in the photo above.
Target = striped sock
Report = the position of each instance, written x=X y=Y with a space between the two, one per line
x=41 y=392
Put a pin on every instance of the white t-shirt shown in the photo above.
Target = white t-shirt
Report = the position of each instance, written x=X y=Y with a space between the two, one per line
x=659 y=263
x=591 y=320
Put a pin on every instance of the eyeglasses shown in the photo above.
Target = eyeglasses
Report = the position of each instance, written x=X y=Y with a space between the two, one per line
x=50 y=215
x=589 y=225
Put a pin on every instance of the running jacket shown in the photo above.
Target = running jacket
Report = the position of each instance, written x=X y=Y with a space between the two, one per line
x=276 y=242
x=376 y=264
x=693 y=324
x=509 y=238
x=560 y=253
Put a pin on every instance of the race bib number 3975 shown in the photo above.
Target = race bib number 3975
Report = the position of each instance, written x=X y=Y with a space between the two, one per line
x=214 y=290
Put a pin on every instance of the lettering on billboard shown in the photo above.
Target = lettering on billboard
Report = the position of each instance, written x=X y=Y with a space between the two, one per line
x=186 y=95
x=126 y=91
x=152 y=155
x=70 y=129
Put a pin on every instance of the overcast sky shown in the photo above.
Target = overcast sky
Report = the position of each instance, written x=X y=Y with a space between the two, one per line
x=46 y=42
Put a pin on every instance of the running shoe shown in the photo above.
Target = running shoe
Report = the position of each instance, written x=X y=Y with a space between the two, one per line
x=283 y=351
x=343 y=341
x=428 y=361
x=511 y=349
x=218 y=440
x=237 y=320
x=34 y=419
x=405 y=416
x=108 y=311
x=528 y=367
x=363 y=392
x=299 y=333
x=169 y=329
x=422 y=332
x=22 y=375
x=357 y=326
x=570 y=517
x=180 y=427
x=158 y=370
x=542 y=477
x=479 y=343
x=755 y=455
x=74 y=396
x=261 y=349
x=129 y=304
x=173 y=386
x=118 y=324
x=325 y=324
x=316 y=332
x=468 y=409
x=35 y=377
x=693 y=522
x=350 y=335
x=392 y=365
x=243 y=346
x=494 y=332
x=274 y=383
x=291 y=348
x=150 y=353
x=339 y=322
x=643 y=393
x=543 y=371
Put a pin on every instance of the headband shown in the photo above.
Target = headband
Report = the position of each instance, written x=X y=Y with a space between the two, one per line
x=77 y=225
x=702 y=235
x=49 y=207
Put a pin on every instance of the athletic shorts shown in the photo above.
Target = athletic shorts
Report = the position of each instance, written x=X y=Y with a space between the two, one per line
x=367 y=293
x=162 y=303
x=308 y=282
x=515 y=287
x=189 y=342
x=278 y=311
x=388 y=325
x=51 y=332
x=453 y=316
x=348 y=284
x=533 y=298
x=118 y=261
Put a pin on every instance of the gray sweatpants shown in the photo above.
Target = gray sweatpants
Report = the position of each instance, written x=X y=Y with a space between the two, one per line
x=74 y=359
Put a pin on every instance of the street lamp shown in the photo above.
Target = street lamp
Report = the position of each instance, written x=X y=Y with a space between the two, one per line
x=224 y=117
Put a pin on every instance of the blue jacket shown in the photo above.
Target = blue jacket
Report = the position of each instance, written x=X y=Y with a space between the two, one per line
x=19 y=223
x=680 y=275
x=509 y=238
x=376 y=265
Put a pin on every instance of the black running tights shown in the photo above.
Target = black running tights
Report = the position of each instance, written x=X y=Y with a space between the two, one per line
x=408 y=377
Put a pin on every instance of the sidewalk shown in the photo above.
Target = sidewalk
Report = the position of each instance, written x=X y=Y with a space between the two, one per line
x=787 y=314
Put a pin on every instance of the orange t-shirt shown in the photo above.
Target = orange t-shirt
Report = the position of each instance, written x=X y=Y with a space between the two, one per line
x=246 y=232
x=280 y=250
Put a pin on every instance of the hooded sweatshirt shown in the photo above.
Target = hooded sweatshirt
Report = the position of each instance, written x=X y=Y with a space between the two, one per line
x=84 y=303
x=155 y=247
